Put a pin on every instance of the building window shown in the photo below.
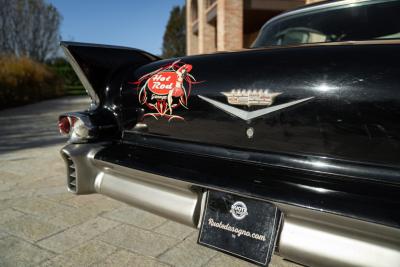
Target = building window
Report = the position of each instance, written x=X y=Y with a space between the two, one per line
x=194 y=12
x=210 y=2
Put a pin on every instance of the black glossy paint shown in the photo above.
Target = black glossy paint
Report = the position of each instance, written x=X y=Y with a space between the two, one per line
x=339 y=152
x=354 y=115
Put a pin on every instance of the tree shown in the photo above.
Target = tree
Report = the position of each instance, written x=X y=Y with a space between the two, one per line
x=174 y=41
x=29 y=28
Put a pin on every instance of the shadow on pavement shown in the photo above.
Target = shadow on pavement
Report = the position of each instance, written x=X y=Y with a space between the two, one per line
x=35 y=125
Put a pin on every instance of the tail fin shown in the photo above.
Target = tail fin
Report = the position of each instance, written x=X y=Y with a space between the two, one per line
x=95 y=63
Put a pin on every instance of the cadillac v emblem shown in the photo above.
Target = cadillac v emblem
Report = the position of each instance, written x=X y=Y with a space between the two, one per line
x=250 y=97
x=259 y=98
x=238 y=210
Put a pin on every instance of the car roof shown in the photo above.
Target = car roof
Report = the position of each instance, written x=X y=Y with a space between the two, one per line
x=317 y=6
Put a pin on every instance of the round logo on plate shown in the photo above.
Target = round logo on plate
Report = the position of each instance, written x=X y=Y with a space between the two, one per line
x=238 y=210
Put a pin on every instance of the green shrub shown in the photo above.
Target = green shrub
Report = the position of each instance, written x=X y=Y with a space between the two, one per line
x=72 y=84
x=23 y=81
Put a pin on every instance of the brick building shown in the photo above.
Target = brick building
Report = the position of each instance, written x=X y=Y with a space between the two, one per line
x=217 y=25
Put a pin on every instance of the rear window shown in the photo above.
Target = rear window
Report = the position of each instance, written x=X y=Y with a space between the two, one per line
x=351 y=22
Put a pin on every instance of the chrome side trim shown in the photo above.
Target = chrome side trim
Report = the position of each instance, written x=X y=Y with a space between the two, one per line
x=82 y=77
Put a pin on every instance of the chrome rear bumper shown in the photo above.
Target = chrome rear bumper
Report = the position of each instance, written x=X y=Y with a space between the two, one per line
x=309 y=237
x=172 y=200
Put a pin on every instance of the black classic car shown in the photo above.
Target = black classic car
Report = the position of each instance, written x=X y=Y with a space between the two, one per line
x=291 y=147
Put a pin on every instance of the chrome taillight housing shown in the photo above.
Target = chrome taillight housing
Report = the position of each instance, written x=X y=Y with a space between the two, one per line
x=76 y=126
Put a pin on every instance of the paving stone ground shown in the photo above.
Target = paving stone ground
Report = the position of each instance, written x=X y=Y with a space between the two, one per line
x=41 y=224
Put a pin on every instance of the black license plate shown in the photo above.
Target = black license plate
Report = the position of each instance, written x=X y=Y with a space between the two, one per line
x=242 y=227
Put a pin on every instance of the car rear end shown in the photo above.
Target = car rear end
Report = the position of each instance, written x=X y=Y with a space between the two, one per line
x=310 y=132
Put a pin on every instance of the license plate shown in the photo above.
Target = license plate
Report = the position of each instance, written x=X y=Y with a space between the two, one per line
x=239 y=226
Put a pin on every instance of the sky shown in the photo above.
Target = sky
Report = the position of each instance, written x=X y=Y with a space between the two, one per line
x=133 y=23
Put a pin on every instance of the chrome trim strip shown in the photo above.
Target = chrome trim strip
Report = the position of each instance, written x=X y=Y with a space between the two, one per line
x=82 y=77
x=249 y=115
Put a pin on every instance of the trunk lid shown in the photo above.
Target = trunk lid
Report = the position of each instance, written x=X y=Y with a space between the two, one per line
x=330 y=100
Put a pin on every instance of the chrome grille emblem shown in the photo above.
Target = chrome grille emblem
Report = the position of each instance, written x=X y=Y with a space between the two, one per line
x=250 y=97
x=249 y=115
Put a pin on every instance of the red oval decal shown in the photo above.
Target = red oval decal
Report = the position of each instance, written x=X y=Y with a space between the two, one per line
x=162 y=82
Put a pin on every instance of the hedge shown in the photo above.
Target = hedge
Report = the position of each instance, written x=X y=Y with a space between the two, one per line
x=72 y=84
x=23 y=81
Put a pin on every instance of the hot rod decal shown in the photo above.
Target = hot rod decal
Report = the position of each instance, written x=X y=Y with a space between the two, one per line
x=166 y=89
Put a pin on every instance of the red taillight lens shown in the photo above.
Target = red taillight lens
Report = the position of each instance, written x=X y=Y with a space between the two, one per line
x=64 y=125
x=74 y=127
